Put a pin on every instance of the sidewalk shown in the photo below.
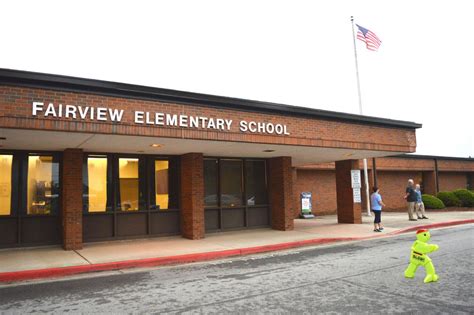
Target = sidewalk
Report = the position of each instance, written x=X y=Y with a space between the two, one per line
x=21 y=264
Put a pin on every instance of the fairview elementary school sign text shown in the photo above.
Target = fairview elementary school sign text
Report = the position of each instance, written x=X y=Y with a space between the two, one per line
x=153 y=118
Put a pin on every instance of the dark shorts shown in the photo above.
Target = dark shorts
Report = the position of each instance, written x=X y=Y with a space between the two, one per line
x=378 y=216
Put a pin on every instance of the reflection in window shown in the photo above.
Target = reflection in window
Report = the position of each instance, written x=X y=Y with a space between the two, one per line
x=231 y=183
x=5 y=184
x=43 y=175
x=210 y=183
x=255 y=182
x=161 y=184
x=97 y=183
x=128 y=184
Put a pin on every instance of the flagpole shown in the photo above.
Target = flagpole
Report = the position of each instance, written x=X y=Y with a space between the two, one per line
x=366 y=175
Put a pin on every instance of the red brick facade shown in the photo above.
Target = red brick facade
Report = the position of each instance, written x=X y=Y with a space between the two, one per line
x=393 y=184
x=392 y=176
x=449 y=181
x=280 y=189
x=192 y=196
x=455 y=166
x=16 y=112
x=71 y=199
x=322 y=185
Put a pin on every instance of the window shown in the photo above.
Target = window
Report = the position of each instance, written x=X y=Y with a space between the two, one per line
x=255 y=182
x=161 y=184
x=5 y=184
x=210 y=183
x=43 y=184
x=95 y=182
x=231 y=183
x=128 y=184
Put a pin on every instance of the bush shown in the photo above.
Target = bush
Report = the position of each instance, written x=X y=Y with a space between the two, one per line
x=466 y=197
x=449 y=199
x=431 y=202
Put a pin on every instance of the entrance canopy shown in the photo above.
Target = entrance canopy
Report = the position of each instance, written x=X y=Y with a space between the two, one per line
x=20 y=139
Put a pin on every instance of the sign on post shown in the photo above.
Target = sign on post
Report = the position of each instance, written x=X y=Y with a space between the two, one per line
x=356 y=185
x=356 y=195
x=355 y=179
x=306 y=205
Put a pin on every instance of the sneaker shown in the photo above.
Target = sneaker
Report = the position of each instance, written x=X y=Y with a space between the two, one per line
x=423 y=217
x=381 y=229
x=413 y=220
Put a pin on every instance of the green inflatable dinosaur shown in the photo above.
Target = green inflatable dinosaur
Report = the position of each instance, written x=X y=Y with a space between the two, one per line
x=418 y=257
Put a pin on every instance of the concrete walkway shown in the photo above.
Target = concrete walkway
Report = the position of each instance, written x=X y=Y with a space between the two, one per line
x=305 y=232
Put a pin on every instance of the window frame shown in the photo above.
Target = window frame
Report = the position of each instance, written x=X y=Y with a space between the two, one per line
x=244 y=206
x=14 y=185
x=265 y=167
x=146 y=167
x=85 y=177
x=242 y=183
x=19 y=199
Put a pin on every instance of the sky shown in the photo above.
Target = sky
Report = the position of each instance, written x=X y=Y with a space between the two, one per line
x=291 y=52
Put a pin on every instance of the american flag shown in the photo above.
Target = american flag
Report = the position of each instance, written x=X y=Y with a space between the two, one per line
x=369 y=38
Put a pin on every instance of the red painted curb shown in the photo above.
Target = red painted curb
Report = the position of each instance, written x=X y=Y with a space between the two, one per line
x=432 y=225
x=161 y=261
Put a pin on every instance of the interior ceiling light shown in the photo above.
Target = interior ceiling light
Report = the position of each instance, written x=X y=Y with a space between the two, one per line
x=268 y=151
x=156 y=145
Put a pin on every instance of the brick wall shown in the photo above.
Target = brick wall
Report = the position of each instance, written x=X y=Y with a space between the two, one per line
x=15 y=112
x=392 y=187
x=449 y=181
x=392 y=175
x=280 y=189
x=192 y=196
x=322 y=185
x=456 y=166
x=393 y=163
x=71 y=199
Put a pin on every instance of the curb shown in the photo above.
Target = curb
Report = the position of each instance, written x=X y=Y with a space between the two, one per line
x=188 y=258
x=433 y=225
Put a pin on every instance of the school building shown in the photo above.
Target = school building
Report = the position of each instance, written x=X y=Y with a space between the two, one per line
x=85 y=160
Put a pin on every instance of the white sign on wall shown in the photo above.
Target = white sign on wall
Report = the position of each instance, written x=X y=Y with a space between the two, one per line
x=355 y=179
x=82 y=112
x=357 y=195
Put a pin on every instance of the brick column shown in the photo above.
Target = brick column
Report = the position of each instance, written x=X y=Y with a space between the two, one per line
x=347 y=210
x=192 y=196
x=280 y=188
x=71 y=199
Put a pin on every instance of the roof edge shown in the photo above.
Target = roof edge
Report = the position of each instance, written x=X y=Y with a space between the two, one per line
x=432 y=157
x=74 y=84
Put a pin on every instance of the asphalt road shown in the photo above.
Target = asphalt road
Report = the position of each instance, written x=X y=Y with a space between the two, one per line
x=361 y=277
